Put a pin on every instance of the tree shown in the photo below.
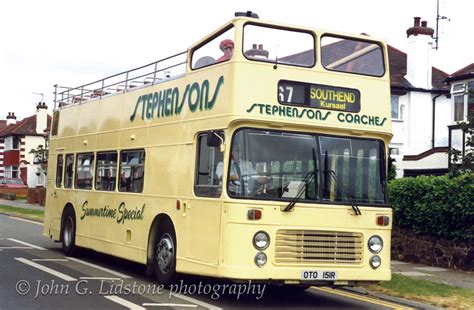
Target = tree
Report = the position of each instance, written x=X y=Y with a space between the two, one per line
x=41 y=156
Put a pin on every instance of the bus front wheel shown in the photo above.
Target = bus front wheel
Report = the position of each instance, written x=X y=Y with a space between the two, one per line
x=68 y=232
x=165 y=256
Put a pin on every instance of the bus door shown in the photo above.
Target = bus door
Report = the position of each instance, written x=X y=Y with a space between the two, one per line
x=204 y=213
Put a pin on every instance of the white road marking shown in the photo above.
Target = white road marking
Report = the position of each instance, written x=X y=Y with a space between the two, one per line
x=197 y=302
x=125 y=303
x=27 y=244
x=58 y=274
x=49 y=260
x=25 y=220
x=16 y=247
x=100 y=268
x=169 y=305
x=100 y=278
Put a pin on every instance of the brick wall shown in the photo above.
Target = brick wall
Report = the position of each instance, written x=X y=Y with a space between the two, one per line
x=432 y=251
x=16 y=191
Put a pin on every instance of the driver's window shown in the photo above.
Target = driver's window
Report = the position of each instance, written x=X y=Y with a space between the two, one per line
x=217 y=50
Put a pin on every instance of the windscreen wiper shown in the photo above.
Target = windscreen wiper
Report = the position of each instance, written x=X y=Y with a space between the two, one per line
x=333 y=175
x=307 y=179
x=351 y=200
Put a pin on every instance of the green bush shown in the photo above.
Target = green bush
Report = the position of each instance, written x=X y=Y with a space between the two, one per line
x=437 y=206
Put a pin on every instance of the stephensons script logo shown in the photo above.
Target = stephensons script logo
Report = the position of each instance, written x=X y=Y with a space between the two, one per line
x=121 y=214
x=312 y=114
x=168 y=102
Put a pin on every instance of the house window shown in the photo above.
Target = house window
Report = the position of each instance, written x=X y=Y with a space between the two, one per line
x=470 y=98
x=458 y=108
x=12 y=143
x=394 y=151
x=396 y=108
x=11 y=172
x=463 y=100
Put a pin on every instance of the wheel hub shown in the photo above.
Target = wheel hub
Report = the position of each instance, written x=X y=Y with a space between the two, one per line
x=165 y=253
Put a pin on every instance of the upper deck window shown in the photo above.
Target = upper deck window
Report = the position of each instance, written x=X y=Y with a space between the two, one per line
x=218 y=49
x=353 y=56
x=276 y=45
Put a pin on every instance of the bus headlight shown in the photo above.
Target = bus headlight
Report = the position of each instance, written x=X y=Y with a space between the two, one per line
x=375 y=261
x=260 y=259
x=261 y=240
x=375 y=244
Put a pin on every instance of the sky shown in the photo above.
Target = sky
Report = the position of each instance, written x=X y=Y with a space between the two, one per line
x=71 y=43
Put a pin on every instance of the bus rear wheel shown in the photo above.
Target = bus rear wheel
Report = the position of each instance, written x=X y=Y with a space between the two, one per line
x=68 y=233
x=165 y=256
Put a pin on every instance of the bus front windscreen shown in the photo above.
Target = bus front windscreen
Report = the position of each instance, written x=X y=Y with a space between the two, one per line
x=276 y=165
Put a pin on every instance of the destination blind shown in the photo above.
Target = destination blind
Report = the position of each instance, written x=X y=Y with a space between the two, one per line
x=319 y=96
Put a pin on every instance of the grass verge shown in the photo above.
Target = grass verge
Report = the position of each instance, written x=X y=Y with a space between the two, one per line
x=37 y=215
x=437 y=294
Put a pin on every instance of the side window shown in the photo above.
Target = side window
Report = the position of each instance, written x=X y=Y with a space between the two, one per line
x=59 y=171
x=218 y=49
x=69 y=171
x=106 y=171
x=84 y=171
x=132 y=171
x=209 y=169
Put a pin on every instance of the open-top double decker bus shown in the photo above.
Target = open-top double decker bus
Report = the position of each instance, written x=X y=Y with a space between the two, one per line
x=260 y=153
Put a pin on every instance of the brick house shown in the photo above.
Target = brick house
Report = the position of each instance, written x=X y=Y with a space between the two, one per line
x=17 y=138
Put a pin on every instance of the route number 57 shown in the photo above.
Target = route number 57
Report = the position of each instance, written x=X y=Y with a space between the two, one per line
x=285 y=93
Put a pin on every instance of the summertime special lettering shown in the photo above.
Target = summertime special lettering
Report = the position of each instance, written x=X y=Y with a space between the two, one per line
x=120 y=214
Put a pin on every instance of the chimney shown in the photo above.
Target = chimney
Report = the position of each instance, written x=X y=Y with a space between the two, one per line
x=11 y=118
x=419 y=54
x=41 y=117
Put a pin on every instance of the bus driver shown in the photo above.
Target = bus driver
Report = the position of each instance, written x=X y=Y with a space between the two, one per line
x=241 y=173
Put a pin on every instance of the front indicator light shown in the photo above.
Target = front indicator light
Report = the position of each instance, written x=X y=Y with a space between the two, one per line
x=375 y=244
x=260 y=259
x=375 y=261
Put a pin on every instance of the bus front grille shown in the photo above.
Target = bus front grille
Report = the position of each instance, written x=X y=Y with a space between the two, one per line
x=312 y=246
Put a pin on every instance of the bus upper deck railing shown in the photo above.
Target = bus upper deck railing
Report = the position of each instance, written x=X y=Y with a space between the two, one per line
x=153 y=73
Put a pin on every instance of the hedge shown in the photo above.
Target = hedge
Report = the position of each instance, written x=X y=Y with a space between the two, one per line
x=435 y=205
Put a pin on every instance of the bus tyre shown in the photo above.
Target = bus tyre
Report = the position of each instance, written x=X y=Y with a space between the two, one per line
x=68 y=233
x=165 y=256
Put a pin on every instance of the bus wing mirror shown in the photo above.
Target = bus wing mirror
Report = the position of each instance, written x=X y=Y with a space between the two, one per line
x=215 y=140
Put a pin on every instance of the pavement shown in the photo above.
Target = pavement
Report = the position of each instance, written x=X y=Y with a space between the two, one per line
x=21 y=203
x=462 y=279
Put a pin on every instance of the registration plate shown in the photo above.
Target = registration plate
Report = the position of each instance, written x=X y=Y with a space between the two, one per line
x=318 y=275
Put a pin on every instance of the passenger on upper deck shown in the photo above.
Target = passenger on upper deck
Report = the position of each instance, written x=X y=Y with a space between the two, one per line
x=227 y=47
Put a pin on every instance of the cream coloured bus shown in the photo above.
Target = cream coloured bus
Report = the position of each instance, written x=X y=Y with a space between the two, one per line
x=260 y=153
